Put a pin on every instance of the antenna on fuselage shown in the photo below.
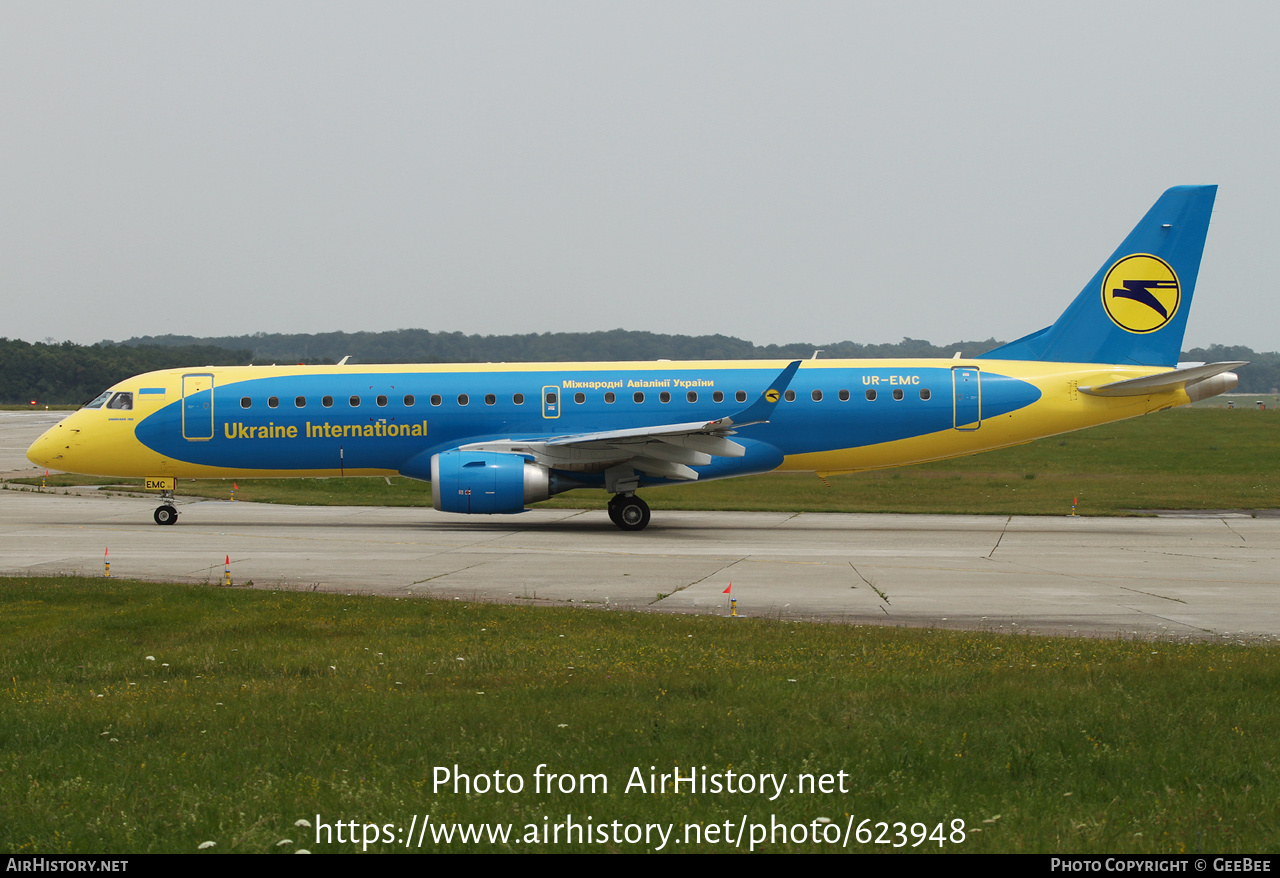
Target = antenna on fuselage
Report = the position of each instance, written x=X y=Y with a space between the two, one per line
x=815 y=354
x=343 y=361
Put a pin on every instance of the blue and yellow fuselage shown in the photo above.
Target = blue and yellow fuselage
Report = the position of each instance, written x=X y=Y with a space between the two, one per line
x=836 y=416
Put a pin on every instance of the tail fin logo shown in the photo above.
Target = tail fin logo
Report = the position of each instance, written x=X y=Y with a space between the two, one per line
x=1141 y=293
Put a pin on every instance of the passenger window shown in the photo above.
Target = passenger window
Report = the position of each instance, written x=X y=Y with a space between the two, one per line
x=490 y=399
x=551 y=398
x=817 y=395
x=354 y=401
x=718 y=396
x=789 y=396
x=435 y=399
x=638 y=396
x=408 y=400
x=273 y=402
x=579 y=398
x=609 y=397
x=871 y=395
x=121 y=401
x=740 y=396
x=897 y=393
x=300 y=402
x=245 y=402
x=924 y=393
x=463 y=399
x=327 y=402
x=381 y=400
x=664 y=397
x=518 y=399
x=692 y=396
x=844 y=396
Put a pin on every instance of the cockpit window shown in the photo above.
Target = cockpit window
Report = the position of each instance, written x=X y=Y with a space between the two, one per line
x=122 y=400
x=97 y=401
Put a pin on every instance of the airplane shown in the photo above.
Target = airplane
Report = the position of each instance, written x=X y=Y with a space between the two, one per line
x=493 y=438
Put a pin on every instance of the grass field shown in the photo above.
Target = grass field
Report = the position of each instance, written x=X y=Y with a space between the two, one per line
x=1191 y=458
x=143 y=717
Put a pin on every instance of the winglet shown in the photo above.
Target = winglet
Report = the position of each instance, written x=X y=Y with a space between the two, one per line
x=759 y=411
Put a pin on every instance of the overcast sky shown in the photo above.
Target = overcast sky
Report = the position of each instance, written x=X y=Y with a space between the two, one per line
x=780 y=172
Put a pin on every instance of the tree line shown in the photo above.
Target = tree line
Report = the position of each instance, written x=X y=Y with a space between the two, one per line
x=50 y=373
x=424 y=346
x=58 y=374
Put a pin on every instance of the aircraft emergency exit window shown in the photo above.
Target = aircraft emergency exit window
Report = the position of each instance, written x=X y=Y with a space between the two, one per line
x=664 y=397
x=817 y=395
x=408 y=400
x=121 y=401
x=871 y=395
x=354 y=402
x=844 y=396
x=718 y=396
x=609 y=397
x=638 y=396
x=490 y=399
x=551 y=399
x=435 y=399
x=273 y=402
x=897 y=393
x=789 y=396
x=245 y=402
x=382 y=400
x=579 y=398
x=300 y=402
x=692 y=396
x=462 y=399
x=98 y=400
x=740 y=396
x=924 y=393
x=518 y=398
x=326 y=401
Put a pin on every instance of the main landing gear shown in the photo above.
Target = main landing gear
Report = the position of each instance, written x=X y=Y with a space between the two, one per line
x=628 y=511
x=166 y=512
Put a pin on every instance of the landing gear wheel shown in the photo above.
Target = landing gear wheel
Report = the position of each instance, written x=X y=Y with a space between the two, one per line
x=165 y=515
x=632 y=514
x=614 y=502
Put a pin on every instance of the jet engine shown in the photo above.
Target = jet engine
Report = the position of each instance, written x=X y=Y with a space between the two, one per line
x=486 y=482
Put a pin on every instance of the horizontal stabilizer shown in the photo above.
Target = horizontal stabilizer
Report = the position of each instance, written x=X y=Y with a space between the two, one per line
x=1166 y=381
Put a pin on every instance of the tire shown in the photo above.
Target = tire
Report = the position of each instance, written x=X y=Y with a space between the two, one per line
x=165 y=515
x=633 y=514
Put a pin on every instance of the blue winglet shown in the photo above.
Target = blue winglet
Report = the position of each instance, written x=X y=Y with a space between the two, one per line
x=762 y=409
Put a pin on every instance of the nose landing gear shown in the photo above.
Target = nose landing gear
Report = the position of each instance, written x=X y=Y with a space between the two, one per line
x=166 y=512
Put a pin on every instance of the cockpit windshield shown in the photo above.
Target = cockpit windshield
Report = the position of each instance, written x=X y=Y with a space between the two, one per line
x=97 y=401
x=113 y=399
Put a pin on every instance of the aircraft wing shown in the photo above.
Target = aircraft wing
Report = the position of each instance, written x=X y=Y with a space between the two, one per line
x=662 y=450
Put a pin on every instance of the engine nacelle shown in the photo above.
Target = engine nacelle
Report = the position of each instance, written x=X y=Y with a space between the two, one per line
x=486 y=482
x=1212 y=386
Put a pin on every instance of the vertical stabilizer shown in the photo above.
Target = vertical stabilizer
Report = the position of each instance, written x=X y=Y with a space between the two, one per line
x=1134 y=310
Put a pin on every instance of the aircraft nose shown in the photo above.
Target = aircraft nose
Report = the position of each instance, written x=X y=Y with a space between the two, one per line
x=47 y=451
